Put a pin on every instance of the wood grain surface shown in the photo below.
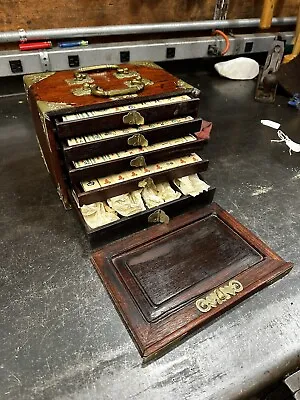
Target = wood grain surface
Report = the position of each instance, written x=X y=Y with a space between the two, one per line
x=55 y=88
x=154 y=277
x=31 y=14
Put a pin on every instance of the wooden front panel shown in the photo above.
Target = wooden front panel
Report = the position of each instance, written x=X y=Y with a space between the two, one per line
x=169 y=280
x=165 y=274
x=46 y=14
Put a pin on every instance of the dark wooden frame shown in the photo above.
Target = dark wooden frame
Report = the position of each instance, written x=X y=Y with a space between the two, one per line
x=154 y=337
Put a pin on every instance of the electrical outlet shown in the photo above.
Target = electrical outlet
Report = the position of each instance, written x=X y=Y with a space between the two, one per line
x=73 y=61
x=248 y=47
x=124 y=56
x=170 y=53
x=16 y=66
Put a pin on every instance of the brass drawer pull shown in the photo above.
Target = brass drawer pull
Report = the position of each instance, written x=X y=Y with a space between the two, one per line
x=133 y=118
x=137 y=140
x=158 y=217
x=138 y=161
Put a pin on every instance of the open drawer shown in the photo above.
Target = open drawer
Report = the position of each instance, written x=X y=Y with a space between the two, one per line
x=79 y=124
x=103 y=188
x=129 y=224
x=118 y=140
x=138 y=157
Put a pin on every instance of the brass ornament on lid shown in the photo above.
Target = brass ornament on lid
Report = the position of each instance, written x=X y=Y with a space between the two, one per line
x=84 y=90
x=47 y=106
x=134 y=87
x=80 y=79
x=148 y=64
x=184 y=85
x=123 y=73
x=31 y=79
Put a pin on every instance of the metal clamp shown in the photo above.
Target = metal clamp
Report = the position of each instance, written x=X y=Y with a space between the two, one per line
x=45 y=61
x=267 y=81
x=158 y=217
x=23 y=35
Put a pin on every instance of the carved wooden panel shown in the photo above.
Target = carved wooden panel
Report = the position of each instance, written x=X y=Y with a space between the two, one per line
x=168 y=280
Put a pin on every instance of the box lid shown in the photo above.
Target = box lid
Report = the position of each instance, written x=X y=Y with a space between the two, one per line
x=169 y=280
x=103 y=86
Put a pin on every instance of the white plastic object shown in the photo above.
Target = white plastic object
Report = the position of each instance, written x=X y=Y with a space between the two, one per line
x=270 y=124
x=293 y=146
x=241 y=68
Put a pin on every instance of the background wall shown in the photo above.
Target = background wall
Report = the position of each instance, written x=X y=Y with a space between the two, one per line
x=33 y=14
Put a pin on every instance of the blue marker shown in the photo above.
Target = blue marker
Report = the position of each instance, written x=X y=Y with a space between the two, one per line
x=73 y=44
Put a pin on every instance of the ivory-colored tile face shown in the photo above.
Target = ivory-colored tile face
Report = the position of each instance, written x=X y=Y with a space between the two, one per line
x=134 y=151
x=90 y=185
x=129 y=107
x=191 y=185
x=145 y=171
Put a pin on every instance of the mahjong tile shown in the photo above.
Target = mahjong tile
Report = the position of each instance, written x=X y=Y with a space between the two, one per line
x=90 y=185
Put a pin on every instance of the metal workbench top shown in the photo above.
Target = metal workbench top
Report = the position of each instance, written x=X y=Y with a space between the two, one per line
x=60 y=335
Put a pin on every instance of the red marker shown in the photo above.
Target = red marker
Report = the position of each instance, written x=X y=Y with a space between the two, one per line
x=35 y=46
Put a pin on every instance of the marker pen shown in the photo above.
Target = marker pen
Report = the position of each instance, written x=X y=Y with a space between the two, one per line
x=73 y=44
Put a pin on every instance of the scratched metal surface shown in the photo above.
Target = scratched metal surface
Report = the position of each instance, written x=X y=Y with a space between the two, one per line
x=61 y=338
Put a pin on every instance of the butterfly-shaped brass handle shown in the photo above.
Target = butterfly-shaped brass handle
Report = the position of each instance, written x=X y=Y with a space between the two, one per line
x=133 y=118
x=138 y=161
x=137 y=140
x=158 y=217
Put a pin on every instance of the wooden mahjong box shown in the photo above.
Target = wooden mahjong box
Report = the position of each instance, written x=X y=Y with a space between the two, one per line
x=121 y=144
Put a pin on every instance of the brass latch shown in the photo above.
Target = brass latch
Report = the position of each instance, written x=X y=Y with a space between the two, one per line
x=137 y=140
x=158 y=217
x=133 y=118
x=138 y=161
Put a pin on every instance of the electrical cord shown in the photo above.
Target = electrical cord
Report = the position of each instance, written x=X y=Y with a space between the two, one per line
x=225 y=37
